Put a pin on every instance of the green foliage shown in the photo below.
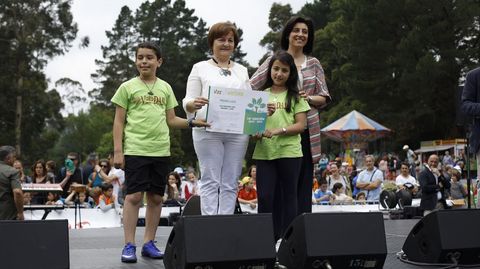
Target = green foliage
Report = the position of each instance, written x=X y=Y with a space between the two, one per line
x=105 y=145
x=118 y=59
x=84 y=132
x=318 y=11
x=279 y=15
x=401 y=60
x=31 y=32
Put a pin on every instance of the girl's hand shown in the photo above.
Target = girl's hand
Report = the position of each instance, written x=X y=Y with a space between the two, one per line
x=199 y=102
x=271 y=109
x=257 y=136
x=268 y=133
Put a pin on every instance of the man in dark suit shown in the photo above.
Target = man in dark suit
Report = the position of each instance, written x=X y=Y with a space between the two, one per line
x=471 y=107
x=433 y=185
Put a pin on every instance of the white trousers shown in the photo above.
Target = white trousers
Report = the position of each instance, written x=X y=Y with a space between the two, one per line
x=221 y=158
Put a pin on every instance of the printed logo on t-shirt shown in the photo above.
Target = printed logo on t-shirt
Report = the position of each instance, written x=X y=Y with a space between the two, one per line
x=149 y=99
x=280 y=105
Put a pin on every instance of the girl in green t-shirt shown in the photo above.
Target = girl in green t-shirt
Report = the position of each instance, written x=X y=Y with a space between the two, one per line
x=278 y=150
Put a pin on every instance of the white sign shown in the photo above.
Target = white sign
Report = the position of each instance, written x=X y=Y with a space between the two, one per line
x=236 y=111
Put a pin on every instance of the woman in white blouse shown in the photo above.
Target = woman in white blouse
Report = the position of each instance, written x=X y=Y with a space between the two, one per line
x=220 y=155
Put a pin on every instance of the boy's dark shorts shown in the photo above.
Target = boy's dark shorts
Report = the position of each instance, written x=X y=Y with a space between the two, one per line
x=146 y=174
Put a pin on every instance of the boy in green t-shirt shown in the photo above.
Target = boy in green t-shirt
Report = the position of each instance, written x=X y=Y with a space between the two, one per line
x=144 y=112
x=278 y=151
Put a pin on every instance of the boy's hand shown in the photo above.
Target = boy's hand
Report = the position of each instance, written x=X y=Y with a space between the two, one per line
x=200 y=123
x=118 y=160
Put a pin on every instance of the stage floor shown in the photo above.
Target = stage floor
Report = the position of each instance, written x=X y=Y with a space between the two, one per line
x=101 y=248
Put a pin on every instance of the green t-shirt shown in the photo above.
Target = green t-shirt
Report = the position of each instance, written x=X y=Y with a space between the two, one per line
x=146 y=130
x=9 y=180
x=281 y=146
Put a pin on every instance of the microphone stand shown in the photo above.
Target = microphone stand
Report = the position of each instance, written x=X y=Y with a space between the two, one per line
x=469 y=179
x=77 y=207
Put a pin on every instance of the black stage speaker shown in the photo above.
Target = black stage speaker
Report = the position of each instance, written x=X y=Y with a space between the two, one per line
x=192 y=207
x=341 y=240
x=222 y=241
x=34 y=244
x=443 y=234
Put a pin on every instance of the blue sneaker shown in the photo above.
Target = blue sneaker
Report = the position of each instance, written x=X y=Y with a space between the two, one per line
x=128 y=253
x=150 y=250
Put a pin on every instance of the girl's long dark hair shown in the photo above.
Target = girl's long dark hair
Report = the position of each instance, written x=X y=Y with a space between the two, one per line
x=177 y=182
x=291 y=84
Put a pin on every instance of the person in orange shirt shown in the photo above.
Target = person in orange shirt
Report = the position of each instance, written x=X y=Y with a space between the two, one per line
x=106 y=199
x=247 y=194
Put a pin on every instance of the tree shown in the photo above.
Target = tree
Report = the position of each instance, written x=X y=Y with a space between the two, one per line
x=84 y=132
x=117 y=65
x=32 y=31
x=74 y=92
x=318 y=11
x=279 y=15
x=400 y=61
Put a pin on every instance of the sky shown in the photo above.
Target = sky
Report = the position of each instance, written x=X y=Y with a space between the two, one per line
x=94 y=17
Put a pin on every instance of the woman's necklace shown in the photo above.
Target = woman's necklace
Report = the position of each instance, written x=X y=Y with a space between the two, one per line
x=223 y=71
x=148 y=88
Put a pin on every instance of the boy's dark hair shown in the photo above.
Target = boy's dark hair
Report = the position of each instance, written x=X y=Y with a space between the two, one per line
x=322 y=181
x=336 y=187
x=288 y=29
x=149 y=45
x=291 y=84
x=106 y=187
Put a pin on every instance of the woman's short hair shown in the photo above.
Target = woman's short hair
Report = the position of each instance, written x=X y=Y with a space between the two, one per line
x=288 y=28
x=221 y=29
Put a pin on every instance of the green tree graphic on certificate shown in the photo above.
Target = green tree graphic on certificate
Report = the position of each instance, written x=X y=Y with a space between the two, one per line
x=255 y=117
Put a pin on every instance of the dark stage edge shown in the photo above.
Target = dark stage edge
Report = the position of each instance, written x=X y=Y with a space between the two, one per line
x=101 y=248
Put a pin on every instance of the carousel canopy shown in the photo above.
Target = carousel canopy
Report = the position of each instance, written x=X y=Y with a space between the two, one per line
x=355 y=127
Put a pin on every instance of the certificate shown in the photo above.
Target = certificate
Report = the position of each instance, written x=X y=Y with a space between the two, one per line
x=236 y=111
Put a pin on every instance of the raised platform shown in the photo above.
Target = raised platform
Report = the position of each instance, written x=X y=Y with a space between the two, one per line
x=101 y=248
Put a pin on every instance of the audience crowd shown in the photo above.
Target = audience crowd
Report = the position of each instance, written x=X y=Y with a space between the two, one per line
x=97 y=184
